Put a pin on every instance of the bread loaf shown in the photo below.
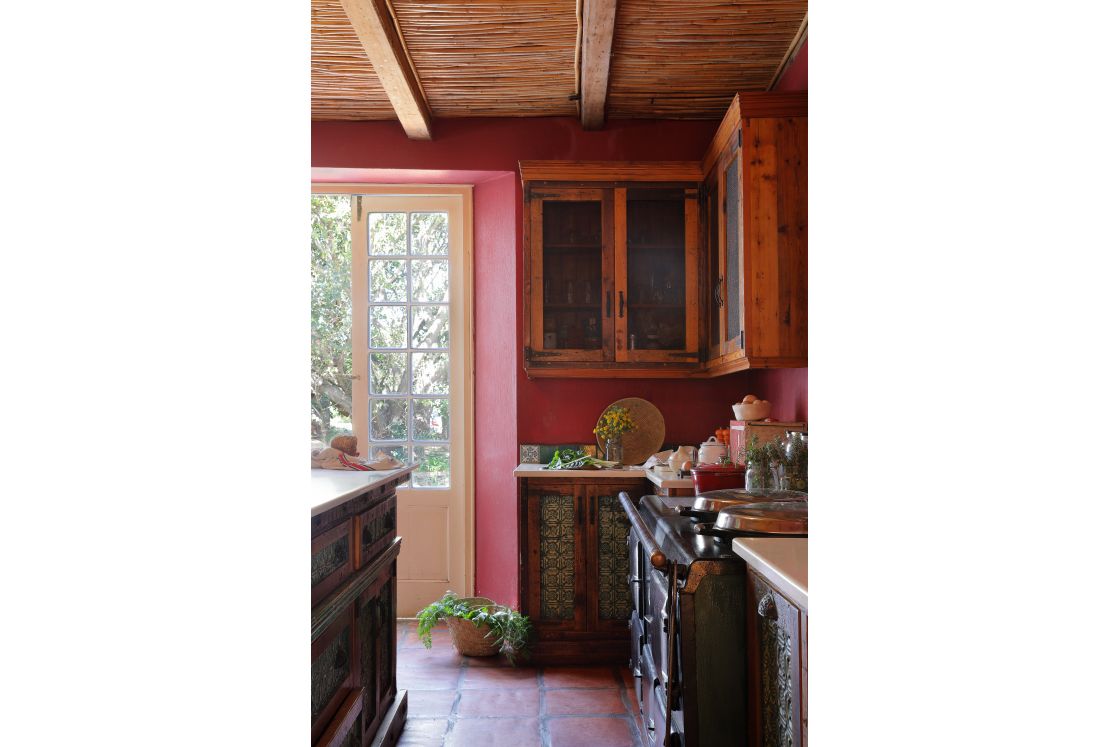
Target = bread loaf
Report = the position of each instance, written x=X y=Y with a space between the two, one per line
x=345 y=444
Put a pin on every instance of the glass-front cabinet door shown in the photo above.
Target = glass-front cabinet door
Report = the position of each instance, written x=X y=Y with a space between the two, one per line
x=723 y=211
x=571 y=256
x=657 y=317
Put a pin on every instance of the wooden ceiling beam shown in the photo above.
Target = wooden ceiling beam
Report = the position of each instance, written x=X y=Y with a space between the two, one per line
x=795 y=45
x=377 y=31
x=597 y=35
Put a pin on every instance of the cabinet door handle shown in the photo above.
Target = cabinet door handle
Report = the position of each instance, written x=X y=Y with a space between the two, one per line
x=621 y=304
x=716 y=292
x=341 y=660
x=767 y=609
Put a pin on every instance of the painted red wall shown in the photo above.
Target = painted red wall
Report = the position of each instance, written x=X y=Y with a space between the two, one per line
x=796 y=77
x=509 y=407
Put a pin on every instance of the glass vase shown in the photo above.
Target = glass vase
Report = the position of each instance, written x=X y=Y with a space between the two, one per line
x=612 y=449
x=760 y=477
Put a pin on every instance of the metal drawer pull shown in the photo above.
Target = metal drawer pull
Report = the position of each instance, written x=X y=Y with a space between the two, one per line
x=341 y=660
x=767 y=608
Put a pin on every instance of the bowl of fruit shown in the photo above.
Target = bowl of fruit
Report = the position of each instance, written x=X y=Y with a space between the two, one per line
x=751 y=408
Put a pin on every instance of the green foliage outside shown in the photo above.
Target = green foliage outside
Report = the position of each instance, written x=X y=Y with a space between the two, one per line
x=330 y=315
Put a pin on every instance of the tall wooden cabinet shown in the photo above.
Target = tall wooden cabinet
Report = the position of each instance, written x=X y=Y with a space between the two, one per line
x=612 y=269
x=573 y=567
x=673 y=269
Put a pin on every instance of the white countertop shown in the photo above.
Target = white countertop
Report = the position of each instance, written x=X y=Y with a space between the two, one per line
x=782 y=561
x=331 y=487
x=669 y=480
x=539 y=470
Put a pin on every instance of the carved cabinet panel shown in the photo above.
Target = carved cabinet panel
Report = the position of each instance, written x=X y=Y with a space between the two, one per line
x=574 y=565
x=778 y=668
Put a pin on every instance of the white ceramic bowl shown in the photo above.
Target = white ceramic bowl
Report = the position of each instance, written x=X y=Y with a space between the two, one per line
x=754 y=411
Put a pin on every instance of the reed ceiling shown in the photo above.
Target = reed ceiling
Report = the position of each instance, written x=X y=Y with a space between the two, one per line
x=661 y=59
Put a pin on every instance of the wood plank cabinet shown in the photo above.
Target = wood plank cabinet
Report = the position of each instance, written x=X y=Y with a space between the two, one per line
x=573 y=567
x=755 y=206
x=779 y=667
x=612 y=269
x=673 y=270
x=354 y=550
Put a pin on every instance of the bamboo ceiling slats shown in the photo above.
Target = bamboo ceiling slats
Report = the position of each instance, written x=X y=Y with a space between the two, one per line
x=674 y=59
x=343 y=84
x=687 y=60
x=492 y=58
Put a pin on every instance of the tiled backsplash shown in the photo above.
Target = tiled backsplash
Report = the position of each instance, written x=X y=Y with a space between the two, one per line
x=542 y=453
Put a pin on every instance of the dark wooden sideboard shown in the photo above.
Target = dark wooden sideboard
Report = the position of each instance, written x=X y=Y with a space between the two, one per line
x=354 y=550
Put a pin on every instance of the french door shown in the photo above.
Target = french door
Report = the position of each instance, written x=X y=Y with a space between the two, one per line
x=412 y=395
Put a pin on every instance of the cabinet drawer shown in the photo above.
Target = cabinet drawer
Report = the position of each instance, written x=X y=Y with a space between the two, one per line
x=376 y=530
x=331 y=561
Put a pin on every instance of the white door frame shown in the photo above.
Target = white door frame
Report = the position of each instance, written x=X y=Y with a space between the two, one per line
x=415 y=593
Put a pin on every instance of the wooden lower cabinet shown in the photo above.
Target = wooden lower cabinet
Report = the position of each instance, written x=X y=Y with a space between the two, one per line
x=573 y=568
x=779 y=668
x=354 y=696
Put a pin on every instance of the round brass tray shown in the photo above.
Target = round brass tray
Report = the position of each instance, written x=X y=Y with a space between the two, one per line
x=648 y=433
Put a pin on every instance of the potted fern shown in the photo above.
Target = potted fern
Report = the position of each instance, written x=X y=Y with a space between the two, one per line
x=478 y=626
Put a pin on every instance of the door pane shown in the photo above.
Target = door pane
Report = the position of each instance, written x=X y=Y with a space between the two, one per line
x=397 y=451
x=430 y=280
x=388 y=279
x=429 y=233
x=655 y=268
x=388 y=419
x=572 y=254
x=431 y=420
x=431 y=326
x=431 y=373
x=388 y=373
x=433 y=468
x=387 y=233
x=387 y=327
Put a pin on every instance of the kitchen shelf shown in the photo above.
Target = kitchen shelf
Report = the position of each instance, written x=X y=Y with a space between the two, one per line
x=571 y=306
x=655 y=305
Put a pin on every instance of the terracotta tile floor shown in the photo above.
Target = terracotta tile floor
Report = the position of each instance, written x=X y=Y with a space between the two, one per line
x=462 y=701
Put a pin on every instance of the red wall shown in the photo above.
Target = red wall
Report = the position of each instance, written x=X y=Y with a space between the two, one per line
x=510 y=408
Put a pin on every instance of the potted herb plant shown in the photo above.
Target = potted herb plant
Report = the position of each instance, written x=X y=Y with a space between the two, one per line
x=478 y=626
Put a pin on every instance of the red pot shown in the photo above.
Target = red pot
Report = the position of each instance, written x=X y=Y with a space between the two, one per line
x=707 y=477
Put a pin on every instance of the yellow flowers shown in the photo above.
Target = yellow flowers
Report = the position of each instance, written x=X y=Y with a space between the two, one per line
x=614 y=422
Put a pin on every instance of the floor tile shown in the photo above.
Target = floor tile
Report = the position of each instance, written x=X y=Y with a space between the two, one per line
x=583 y=701
x=604 y=731
x=523 y=702
x=444 y=658
x=493 y=677
x=496 y=732
x=425 y=678
x=422 y=732
x=579 y=677
x=430 y=703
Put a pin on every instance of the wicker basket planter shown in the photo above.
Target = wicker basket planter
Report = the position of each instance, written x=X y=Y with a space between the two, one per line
x=468 y=639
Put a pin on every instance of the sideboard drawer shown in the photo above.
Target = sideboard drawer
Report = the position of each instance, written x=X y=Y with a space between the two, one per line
x=376 y=530
x=331 y=561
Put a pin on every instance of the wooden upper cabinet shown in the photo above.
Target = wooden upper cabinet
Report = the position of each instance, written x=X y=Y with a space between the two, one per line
x=674 y=269
x=612 y=269
x=755 y=191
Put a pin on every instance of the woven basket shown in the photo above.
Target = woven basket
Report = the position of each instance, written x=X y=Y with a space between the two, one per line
x=469 y=640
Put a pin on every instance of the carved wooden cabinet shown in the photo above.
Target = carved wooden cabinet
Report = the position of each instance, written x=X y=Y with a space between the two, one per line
x=755 y=215
x=354 y=550
x=612 y=271
x=776 y=649
x=573 y=567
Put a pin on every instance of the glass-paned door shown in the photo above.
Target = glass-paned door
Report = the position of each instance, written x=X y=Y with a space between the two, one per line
x=409 y=341
x=411 y=347
x=660 y=314
x=571 y=257
x=733 y=248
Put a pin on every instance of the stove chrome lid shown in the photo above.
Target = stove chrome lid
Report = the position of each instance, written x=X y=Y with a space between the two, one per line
x=714 y=501
x=772 y=517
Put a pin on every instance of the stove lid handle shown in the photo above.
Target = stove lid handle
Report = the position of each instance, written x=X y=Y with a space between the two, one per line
x=656 y=558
